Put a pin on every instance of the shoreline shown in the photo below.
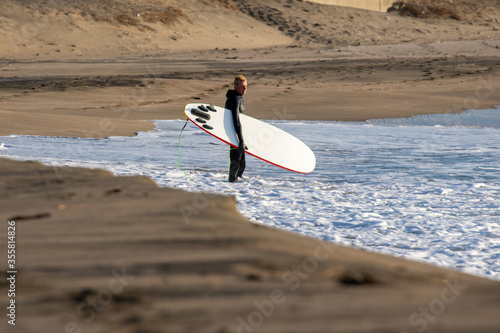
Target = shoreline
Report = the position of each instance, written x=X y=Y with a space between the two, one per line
x=102 y=98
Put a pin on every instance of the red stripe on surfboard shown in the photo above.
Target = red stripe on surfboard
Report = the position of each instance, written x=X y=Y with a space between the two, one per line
x=249 y=153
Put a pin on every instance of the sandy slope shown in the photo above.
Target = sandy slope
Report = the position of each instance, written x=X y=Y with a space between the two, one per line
x=98 y=29
x=109 y=28
x=99 y=253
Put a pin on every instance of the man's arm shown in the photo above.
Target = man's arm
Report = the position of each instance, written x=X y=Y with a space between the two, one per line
x=234 y=106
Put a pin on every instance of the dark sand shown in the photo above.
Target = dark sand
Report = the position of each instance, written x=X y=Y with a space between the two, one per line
x=119 y=254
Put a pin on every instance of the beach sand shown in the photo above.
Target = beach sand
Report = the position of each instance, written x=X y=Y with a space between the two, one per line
x=98 y=253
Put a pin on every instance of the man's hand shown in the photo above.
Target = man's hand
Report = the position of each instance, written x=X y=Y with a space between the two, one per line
x=242 y=147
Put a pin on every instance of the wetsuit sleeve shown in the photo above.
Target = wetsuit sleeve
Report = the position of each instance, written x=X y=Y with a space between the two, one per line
x=234 y=105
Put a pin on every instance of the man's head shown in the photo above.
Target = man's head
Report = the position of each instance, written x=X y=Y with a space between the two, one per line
x=240 y=85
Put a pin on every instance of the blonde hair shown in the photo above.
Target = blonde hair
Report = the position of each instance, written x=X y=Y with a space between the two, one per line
x=239 y=80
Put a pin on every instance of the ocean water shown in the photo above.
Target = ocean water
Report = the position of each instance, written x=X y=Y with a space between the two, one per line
x=425 y=188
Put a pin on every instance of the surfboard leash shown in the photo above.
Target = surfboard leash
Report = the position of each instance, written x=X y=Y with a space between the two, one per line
x=179 y=157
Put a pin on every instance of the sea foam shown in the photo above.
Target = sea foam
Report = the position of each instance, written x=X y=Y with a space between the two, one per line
x=425 y=188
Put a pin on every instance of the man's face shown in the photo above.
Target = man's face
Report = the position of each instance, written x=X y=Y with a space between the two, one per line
x=241 y=88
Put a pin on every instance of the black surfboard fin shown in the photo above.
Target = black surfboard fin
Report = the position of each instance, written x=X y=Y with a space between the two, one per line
x=212 y=108
x=201 y=114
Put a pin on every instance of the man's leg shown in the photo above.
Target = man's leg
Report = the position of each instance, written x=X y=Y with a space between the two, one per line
x=242 y=166
x=234 y=168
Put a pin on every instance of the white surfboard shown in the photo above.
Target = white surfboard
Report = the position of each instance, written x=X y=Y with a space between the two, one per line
x=263 y=140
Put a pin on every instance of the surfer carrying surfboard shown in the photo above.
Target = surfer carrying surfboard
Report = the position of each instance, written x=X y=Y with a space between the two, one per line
x=234 y=102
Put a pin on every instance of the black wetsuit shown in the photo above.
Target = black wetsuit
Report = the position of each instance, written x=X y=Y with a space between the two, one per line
x=234 y=102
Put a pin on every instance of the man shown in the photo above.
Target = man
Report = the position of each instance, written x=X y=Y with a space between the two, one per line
x=234 y=102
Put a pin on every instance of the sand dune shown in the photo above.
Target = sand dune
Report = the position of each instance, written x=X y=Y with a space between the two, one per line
x=99 y=29
x=48 y=29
